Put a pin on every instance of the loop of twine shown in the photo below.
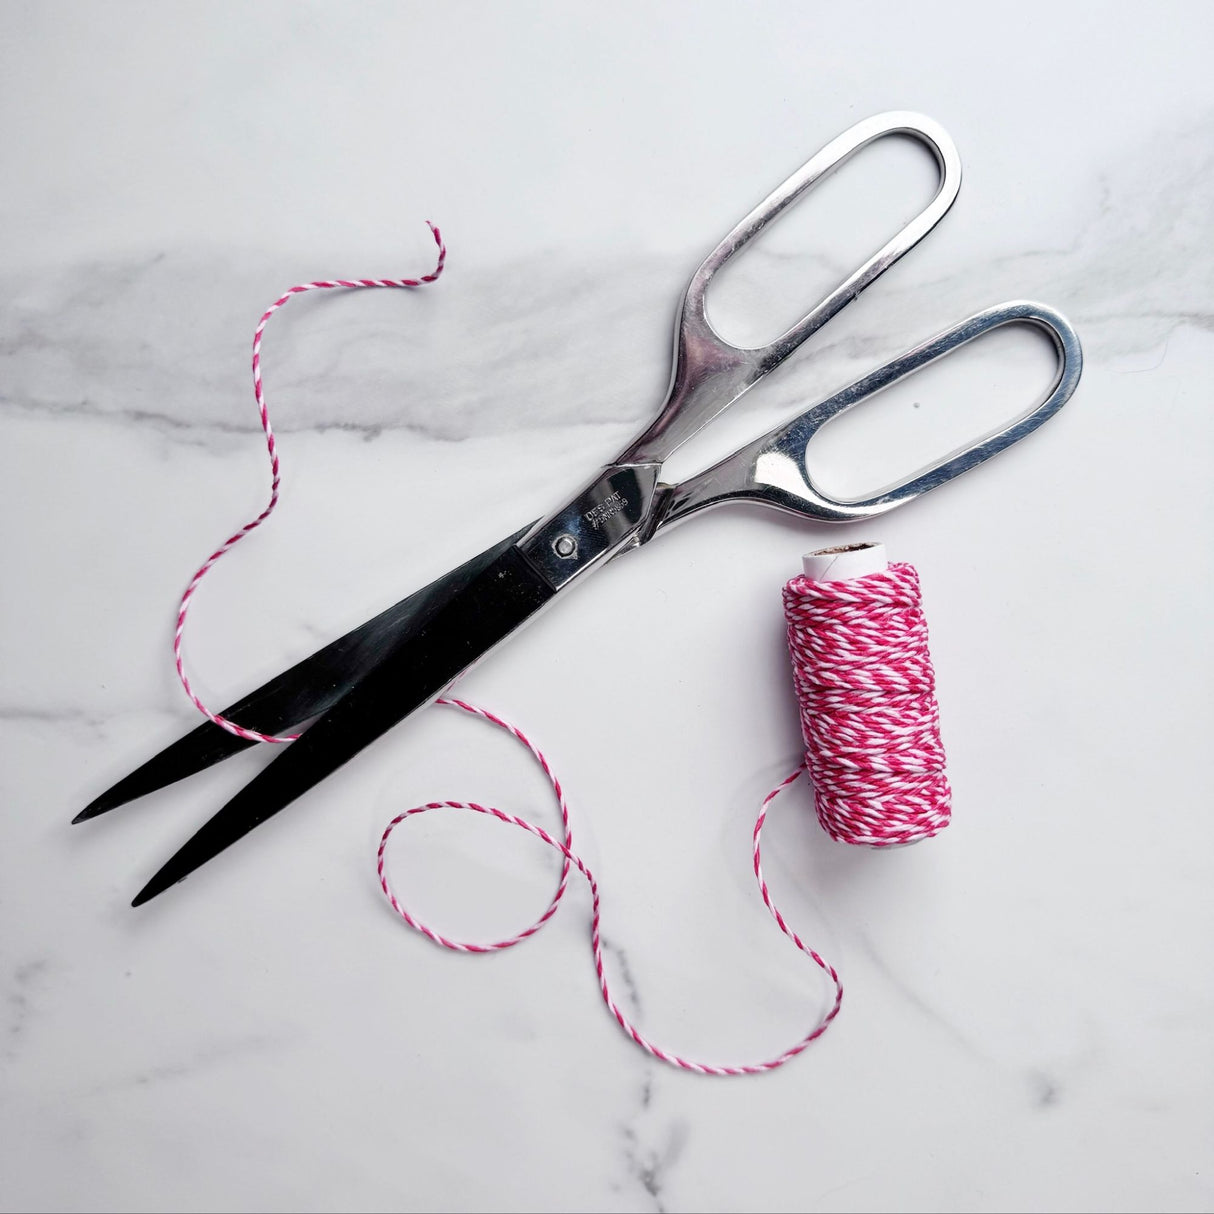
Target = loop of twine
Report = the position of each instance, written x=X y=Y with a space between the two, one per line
x=565 y=847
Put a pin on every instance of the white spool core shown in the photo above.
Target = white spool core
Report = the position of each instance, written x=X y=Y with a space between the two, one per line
x=846 y=561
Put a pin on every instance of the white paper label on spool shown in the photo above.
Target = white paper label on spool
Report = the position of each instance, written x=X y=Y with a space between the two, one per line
x=846 y=561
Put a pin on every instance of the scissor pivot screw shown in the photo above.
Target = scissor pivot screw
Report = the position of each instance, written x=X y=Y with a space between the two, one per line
x=565 y=546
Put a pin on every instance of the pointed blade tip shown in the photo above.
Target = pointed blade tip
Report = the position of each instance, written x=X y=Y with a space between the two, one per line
x=121 y=794
x=157 y=885
x=146 y=894
x=93 y=809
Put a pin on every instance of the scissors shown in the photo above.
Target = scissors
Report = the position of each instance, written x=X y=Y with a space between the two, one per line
x=358 y=687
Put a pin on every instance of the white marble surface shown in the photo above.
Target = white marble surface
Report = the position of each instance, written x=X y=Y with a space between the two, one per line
x=1029 y=996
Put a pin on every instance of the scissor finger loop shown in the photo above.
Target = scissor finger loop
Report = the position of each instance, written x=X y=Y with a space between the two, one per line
x=710 y=373
x=774 y=471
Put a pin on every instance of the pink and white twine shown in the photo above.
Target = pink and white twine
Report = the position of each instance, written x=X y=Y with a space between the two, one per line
x=866 y=690
x=564 y=845
x=863 y=679
x=183 y=608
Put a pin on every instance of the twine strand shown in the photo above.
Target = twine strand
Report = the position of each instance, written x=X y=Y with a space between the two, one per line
x=187 y=598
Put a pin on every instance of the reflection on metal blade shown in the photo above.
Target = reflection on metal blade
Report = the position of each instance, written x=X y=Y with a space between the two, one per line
x=308 y=689
x=492 y=605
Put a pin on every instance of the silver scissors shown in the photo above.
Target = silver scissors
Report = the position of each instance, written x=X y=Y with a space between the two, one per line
x=352 y=691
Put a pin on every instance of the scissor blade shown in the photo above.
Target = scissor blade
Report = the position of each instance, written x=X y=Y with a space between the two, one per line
x=309 y=688
x=494 y=603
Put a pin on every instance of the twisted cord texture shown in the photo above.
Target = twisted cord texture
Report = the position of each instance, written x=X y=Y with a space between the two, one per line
x=866 y=690
x=565 y=847
x=187 y=598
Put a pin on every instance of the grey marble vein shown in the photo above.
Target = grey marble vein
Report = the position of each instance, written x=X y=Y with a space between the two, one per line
x=652 y=1141
x=618 y=961
x=650 y=1156
x=161 y=339
x=21 y=1002
x=918 y=1001
x=207 y=1057
x=27 y=714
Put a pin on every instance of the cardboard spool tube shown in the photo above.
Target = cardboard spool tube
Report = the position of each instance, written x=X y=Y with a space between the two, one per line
x=844 y=562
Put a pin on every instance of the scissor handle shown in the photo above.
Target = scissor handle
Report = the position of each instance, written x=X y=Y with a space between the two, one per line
x=773 y=469
x=709 y=372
